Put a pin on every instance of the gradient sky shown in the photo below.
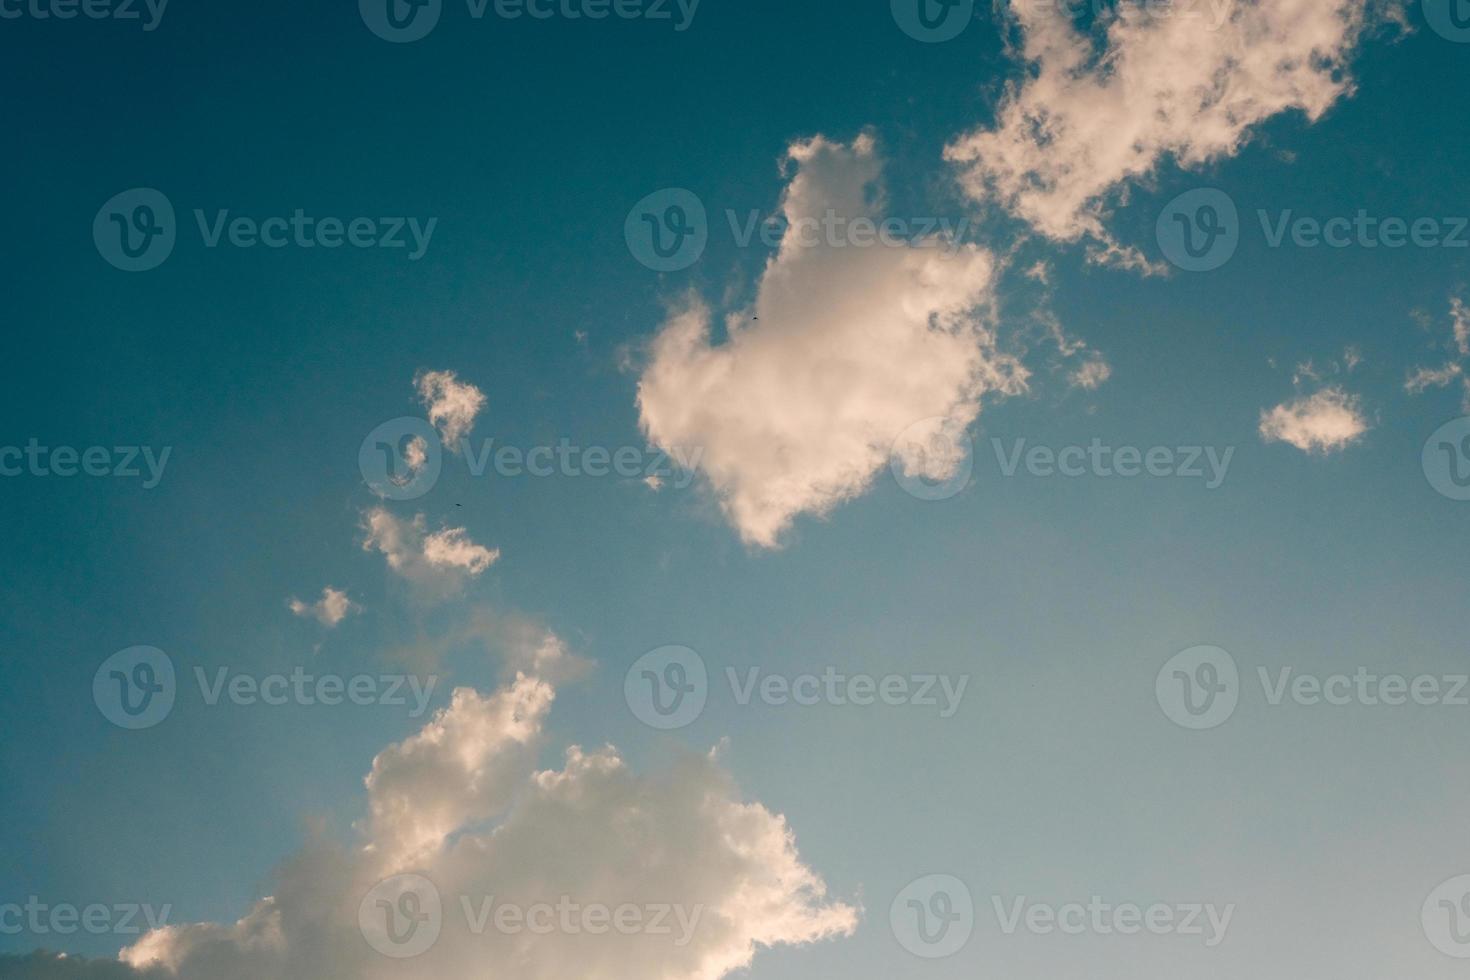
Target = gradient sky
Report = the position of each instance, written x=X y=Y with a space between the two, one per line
x=1058 y=778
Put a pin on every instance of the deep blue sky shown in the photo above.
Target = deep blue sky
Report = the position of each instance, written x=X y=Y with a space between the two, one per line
x=529 y=142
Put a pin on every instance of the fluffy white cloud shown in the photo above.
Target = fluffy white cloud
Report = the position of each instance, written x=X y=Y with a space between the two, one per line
x=796 y=409
x=1182 y=81
x=458 y=770
x=440 y=559
x=452 y=404
x=329 y=610
x=461 y=805
x=1321 y=423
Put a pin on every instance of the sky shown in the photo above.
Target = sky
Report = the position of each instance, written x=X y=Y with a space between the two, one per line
x=687 y=490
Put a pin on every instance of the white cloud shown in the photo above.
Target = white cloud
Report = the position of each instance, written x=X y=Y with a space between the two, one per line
x=1327 y=421
x=333 y=607
x=459 y=769
x=1425 y=378
x=1422 y=379
x=452 y=404
x=461 y=804
x=1187 y=84
x=1460 y=317
x=443 y=558
x=1092 y=374
x=795 y=412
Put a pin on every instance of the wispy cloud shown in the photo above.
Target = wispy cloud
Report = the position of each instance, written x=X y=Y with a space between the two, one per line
x=1187 y=86
x=333 y=607
x=443 y=558
x=452 y=404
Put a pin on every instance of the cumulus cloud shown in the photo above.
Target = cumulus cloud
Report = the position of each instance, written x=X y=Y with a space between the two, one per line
x=797 y=407
x=1453 y=369
x=1098 y=110
x=444 y=558
x=452 y=404
x=461 y=808
x=333 y=607
x=1325 y=422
